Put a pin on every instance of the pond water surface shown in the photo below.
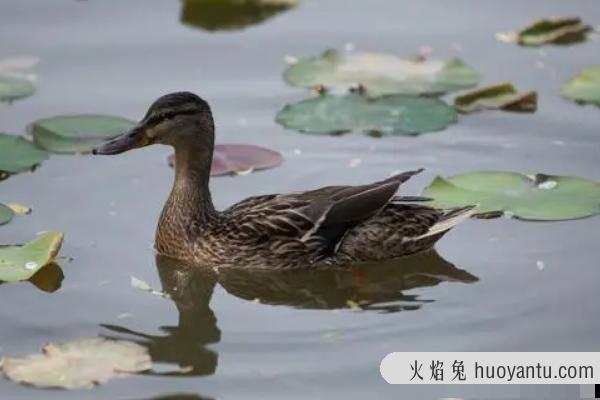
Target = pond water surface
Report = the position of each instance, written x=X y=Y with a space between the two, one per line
x=483 y=291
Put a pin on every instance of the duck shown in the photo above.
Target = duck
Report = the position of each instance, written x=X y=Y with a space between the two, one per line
x=327 y=227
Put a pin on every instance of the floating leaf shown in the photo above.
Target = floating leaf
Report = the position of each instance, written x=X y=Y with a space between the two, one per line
x=6 y=214
x=503 y=96
x=80 y=364
x=557 y=30
x=77 y=133
x=540 y=197
x=8 y=211
x=240 y=159
x=48 y=279
x=15 y=82
x=381 y=73
x=18 y=154
x=386 y=115
x=19 y=209
x=13 y=88
x=139 y=284
x=585 y=87
x=19 y=263
x=215 y=15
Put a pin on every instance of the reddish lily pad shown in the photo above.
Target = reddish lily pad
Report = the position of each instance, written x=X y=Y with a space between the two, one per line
x=240 y=159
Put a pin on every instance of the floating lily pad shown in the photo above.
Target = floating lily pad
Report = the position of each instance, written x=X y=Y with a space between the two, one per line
x=15 y=81
x=19 y=263
x=48 y=279
x=381 y=73
x=77 y=133
x=540 y=197
x=503 y=96
x=215 y=15
x=585 y=87
x=8 y=211
x=240 y=159
x=386 y=115
x=18 y=154
x=81 y=364
x=14 y=88
x=144 y=286
x=6 y=214
x=20 y=209
x=557 y=30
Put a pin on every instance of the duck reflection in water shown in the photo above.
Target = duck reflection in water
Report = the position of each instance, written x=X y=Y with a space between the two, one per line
x=369 y=286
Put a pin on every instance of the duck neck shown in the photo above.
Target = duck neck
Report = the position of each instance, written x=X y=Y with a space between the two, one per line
x=189 y=208
x=190 y=195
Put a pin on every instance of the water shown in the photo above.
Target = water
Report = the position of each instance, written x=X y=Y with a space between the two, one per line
x=116 y=57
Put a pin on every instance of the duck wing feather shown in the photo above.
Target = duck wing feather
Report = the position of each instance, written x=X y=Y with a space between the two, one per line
x=319 y=218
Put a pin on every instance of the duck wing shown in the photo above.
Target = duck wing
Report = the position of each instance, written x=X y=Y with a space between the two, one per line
x=399 y=230
x=316 y=219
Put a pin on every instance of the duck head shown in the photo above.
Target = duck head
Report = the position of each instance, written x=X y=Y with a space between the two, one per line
x=178 y=119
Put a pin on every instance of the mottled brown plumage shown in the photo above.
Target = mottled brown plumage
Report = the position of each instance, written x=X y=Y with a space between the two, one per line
x=330 y=226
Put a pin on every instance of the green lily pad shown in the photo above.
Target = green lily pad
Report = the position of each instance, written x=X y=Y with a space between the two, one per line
x=381 y=116
x=502 y=96
x=16 y=79
x=585 y=87
x=18 y=154
x=6 y=214
x=19 y=263
x=73 y=134
x=14 y=88
x=539 y=198
x=80 y=364
x=8 y=211
x=381 y=73
x=216 y=15
x=557 y=30
x=19 y=209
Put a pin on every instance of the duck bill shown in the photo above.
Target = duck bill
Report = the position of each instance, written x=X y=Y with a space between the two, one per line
x=133 y=139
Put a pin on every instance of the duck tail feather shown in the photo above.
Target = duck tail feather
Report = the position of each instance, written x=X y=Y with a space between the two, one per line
x=404 y=176
x=411 y=199
x=449 y=220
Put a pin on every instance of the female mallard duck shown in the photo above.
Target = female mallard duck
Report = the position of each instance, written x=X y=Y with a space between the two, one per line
x=334 y=225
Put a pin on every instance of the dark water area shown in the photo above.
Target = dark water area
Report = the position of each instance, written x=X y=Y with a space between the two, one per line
x=484 y=290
